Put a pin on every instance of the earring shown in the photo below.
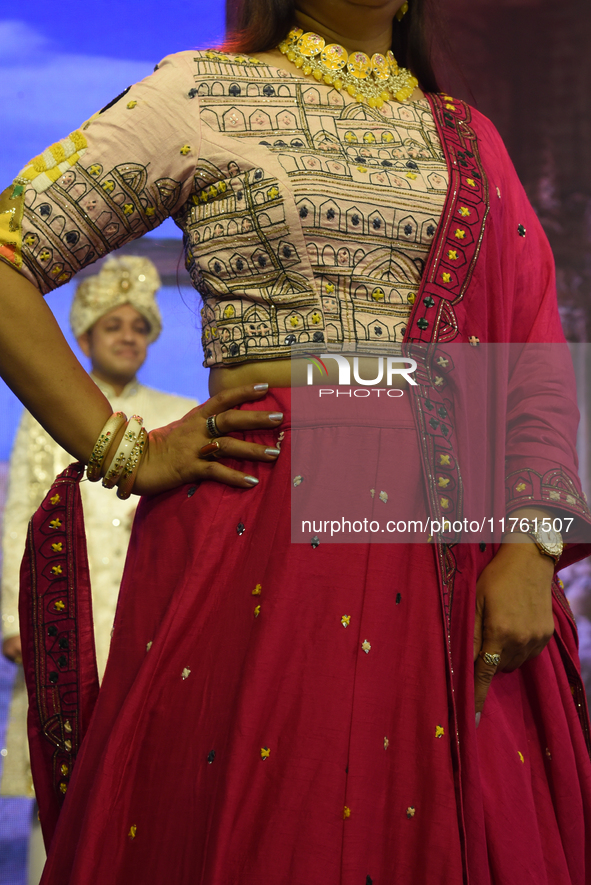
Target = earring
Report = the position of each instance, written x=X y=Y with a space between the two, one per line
x=402 y=11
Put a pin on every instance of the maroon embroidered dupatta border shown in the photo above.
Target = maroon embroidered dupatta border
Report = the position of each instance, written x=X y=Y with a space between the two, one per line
x=447 y=275
x=58 y=641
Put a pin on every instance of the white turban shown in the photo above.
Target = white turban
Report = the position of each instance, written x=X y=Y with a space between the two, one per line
x=125 y=280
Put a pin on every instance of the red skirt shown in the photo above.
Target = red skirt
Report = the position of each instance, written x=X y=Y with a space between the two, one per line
x=284 y=713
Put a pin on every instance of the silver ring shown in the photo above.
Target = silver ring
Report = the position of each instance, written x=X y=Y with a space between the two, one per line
x=212 y=427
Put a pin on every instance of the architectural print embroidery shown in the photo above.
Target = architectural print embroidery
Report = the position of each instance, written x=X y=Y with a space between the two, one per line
x=309 y=221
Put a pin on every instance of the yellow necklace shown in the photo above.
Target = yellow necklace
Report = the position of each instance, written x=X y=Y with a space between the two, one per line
x=374 y=80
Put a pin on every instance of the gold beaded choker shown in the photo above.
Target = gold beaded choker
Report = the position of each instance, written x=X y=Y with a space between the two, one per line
x=373 y=80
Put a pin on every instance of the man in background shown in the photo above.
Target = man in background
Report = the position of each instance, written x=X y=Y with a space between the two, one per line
x=115 y=317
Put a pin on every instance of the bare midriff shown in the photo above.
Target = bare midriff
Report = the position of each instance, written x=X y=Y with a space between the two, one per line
x=294 y=373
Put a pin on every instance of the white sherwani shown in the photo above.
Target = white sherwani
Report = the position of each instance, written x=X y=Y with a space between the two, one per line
x=35 y=461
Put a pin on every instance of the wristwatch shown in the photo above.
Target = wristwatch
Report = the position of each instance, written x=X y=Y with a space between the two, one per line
x=548 y=541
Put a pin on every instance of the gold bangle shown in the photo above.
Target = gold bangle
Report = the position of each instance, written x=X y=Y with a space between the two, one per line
x=121 y=457
x=129 y=472
x=103 y=444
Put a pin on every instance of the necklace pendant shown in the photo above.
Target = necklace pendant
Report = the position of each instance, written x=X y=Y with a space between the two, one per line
x=380 y=67
x=359 y=65
x=311 y=44
x=334 y=57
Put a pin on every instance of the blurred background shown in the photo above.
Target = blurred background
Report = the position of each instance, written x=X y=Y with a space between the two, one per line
x=524 y=63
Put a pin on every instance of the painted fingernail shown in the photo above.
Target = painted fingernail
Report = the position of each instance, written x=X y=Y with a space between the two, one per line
x=272 y=451
x=259 y=387
x=478 y=715
x=252 y=480
x=276 y=416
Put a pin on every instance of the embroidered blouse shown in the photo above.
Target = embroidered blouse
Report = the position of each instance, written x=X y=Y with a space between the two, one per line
x=307 y=217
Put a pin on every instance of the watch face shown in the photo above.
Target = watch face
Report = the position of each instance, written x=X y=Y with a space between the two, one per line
x=551 y=540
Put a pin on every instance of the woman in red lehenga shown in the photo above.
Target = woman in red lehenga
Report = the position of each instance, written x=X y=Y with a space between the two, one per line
x=304 y=713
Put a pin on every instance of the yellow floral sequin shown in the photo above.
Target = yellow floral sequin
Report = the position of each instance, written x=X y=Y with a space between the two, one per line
x=55 y=499
x=346 y=620
x=265 y=753
x=43 y=170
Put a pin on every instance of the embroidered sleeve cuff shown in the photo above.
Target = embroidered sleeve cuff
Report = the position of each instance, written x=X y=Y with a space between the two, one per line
x=554 y=488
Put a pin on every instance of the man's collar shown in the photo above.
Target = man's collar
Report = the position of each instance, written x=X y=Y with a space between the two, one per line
x=130 y=389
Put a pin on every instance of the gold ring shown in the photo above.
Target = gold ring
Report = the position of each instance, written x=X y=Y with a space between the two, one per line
x=210 y=451
x=493 y=660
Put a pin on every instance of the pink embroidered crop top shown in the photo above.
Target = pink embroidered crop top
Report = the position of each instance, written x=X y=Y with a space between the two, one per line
x=307 y=217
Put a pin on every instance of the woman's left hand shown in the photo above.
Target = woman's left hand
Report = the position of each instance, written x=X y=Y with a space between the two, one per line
x=513 y=612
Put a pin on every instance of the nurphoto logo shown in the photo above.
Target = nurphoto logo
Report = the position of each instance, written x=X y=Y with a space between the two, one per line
x=387 y=368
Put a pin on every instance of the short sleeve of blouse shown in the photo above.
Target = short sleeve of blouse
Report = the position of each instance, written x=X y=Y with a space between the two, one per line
x=117 y=177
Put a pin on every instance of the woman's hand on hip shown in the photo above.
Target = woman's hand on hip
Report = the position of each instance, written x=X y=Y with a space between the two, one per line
x=173 y=455
x=513 y=612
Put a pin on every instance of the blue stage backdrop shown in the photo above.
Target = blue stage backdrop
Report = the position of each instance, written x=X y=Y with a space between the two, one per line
x=58 y=67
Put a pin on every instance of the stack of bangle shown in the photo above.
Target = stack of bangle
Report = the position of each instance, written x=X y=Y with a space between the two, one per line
x=126 y=461
x=103 y=444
